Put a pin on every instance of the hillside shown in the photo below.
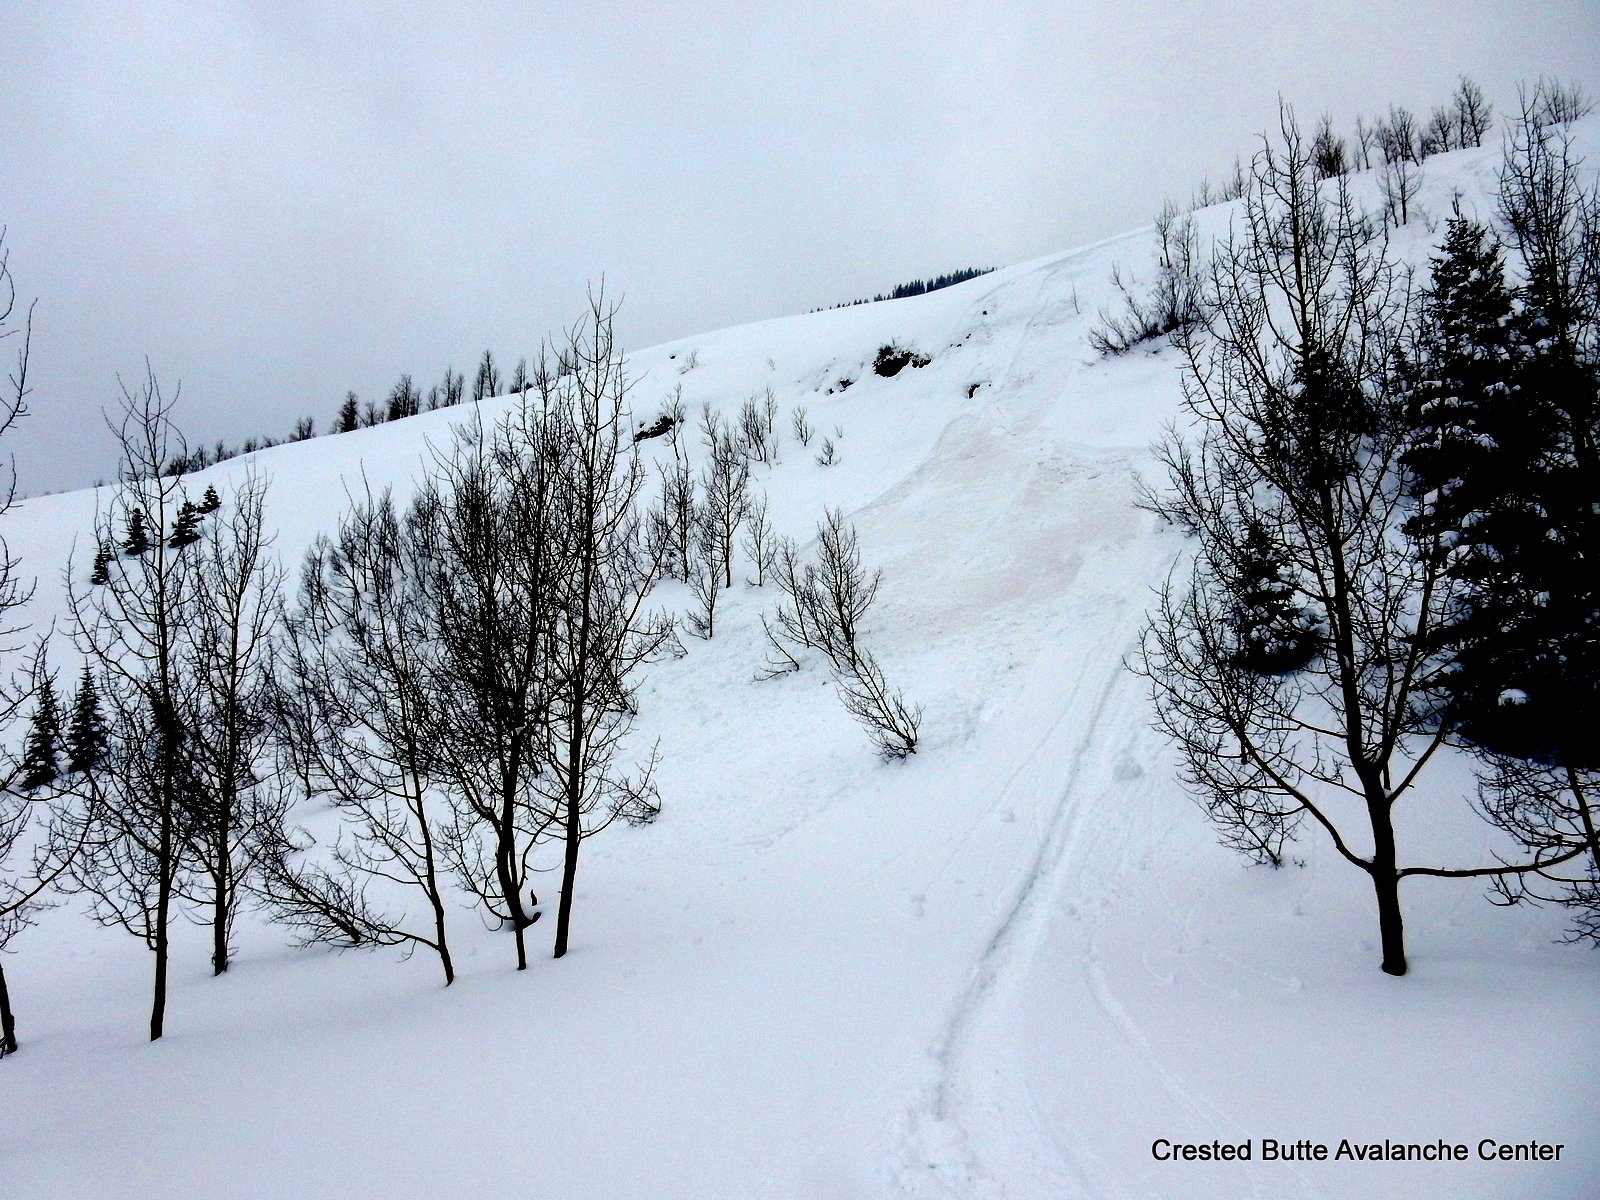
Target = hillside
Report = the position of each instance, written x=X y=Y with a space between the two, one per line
x=1003 y=967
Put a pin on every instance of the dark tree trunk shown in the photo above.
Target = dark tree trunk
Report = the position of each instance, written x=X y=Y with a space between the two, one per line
x=8 y=1020
x=158 y=1002
x=431 y=887
x=168 y=852
x=219 y=936
x=443 y=945
x=574 y=832
x=505 y=867
x=569 y=875
x=569 y=866
x=1386 y=885
x=223 y=901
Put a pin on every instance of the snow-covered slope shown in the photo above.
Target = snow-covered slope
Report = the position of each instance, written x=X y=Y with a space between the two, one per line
x=1004 y=967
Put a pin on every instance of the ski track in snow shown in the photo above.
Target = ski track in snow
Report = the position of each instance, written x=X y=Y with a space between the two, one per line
x=962 y=1137
x=941 y=1141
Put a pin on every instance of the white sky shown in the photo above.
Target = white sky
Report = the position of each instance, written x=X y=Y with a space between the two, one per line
x=276 y=203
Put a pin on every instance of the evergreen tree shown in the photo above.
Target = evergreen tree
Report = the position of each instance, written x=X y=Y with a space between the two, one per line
x=1527 y=685
x=186 y=527
x=1464 y=383
x=136 y=535
x=1275 y=631
x=40 y=764
x=86 y=732
x=1527 y=682
x=349 y=417
x=1502 y=405
x=102 y=560
x=210 y=502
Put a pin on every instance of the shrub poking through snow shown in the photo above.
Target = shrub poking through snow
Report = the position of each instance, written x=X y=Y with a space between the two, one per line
x=822 y=608
x=894 y=358
x=1171 y=305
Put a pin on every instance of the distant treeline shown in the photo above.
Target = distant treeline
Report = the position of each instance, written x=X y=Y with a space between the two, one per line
x=405 y=399
x=918 y=286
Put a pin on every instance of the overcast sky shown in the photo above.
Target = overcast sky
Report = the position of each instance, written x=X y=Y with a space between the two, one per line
x=277 y=203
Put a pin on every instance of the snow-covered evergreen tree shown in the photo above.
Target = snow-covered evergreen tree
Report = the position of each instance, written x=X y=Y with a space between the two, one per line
x=41 y=764
x=1275 y=630
x=136 y=534
x=186 y=528
x=86 y=730
x=102 y=561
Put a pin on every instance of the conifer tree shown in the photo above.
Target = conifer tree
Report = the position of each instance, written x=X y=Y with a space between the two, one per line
x=40 y=762
x=136 y=535
x=102 y=560
x=186 y=527
x=1525 y=688
x=1464 y=381
x=86 y=731
x=1496 y=492
x=210 y=502
x=349 y=418
x=1275 y=630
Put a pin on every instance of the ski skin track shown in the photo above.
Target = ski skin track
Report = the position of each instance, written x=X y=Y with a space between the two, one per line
x=938 y=1120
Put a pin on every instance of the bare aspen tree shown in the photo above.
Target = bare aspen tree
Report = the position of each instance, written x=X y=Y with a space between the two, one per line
x=1363 y=144
x=759 y=539
x=800 y=421
x=1397 y=136
x=705 y=578
x=41 y=834
x=1555 y=103
x=605 y=632
x=42 y=829
x=133 y=630
x=1398 y=184
x=675 y=518
x=1552 y=216
x=486 y=384
x=227 y=654
x=823 y=606
x=483 y=552
x=354 y=728
x=1439 y=134
x=724 y=491
x=1167 y=306
x=21 y=888
x=758 y=428
x=1473 y=112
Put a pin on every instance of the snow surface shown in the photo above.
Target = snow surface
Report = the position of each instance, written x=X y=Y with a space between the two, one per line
x=1003 y=968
